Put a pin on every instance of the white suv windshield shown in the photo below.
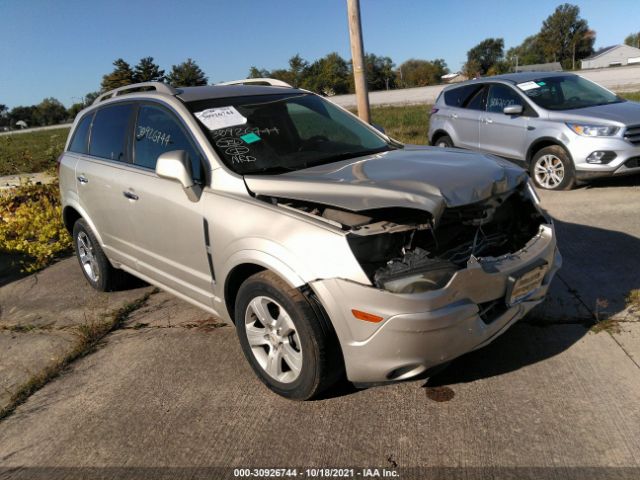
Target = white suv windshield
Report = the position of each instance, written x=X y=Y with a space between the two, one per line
x=283 y=132
x=567 y=92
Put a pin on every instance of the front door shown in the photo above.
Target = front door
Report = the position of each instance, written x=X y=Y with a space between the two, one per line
x=502 y=134
x=169 y=228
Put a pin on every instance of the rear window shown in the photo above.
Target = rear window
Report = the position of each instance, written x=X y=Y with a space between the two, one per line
x=457 y=97
x=80 y=140
x=108 y=134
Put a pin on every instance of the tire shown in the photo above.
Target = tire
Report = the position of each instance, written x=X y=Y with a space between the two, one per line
x=444 y=141
x=93 y=262
x=552 y=169
x=287 y=341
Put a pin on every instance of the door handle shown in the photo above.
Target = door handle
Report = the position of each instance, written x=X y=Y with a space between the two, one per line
x=488 y=120
x=454 y=115
x=130 y=195
x=82 y=179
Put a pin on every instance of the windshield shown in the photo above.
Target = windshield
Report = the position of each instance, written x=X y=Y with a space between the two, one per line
x=273 y=134
x=567 y=92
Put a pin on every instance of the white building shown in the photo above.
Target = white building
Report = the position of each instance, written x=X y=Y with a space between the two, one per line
x=614 y=56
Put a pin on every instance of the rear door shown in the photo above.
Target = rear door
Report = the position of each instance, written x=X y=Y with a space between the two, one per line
x=467 y=120
x=101 y=175
x=502 y=134
x=169 y=229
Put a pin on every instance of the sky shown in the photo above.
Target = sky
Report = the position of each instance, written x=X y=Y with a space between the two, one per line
x=62 y=49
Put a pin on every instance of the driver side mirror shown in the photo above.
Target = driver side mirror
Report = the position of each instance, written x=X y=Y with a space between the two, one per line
x=175 y=165
x=513 y=110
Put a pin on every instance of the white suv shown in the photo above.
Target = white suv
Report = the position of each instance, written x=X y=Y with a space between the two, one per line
x=561 y=126
x=334 y=249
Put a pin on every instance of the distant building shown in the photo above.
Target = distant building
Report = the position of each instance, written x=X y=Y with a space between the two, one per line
x=613 y=56
x=453 y=77
x=21 y=124
x=540 y=67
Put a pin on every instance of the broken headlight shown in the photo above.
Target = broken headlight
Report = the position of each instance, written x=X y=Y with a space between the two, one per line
x=416 y=272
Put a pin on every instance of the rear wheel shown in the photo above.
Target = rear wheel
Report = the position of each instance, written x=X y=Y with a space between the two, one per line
x=95 y=266
x=289 y=346
x=552 y=169
x=444 y=141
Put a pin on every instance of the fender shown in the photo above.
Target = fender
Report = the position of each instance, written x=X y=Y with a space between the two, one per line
x=265 y=260
x=72 y=200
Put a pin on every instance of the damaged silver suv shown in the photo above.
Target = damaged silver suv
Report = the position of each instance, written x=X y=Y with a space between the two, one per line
x=335 y=250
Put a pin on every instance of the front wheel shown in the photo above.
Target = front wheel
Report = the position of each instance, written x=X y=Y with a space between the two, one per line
x=284 y=339
x=552 y=169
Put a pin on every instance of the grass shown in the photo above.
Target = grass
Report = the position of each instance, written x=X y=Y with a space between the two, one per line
x=89 y=336
x=31 y=152
x=406 y=123
x=635 y=96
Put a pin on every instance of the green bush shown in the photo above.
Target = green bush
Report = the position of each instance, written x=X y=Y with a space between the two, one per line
x=31 y=225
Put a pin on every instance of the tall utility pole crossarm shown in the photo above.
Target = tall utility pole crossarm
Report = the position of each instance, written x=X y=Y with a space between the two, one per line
x=357 y=57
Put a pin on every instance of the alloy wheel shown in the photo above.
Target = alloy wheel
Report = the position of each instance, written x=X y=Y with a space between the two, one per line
x=273 y=339
x=87 y=257
x=549 y=171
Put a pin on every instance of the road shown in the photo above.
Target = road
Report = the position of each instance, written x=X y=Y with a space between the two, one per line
x=621 y=79
x=37 y=129
x=169 y=394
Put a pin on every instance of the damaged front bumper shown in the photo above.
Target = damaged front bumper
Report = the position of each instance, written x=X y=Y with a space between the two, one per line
x=422 y=330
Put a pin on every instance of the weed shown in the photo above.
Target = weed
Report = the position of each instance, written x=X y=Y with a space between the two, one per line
x=633 y=299
x=31 y=225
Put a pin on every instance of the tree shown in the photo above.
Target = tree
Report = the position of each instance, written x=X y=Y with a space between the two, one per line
x=297 y=67
x=633 y=40
x=484 y=56
x=329 y=75
x=50 y=112
x=255 y=72
x=187 y=74
x=75 y=109
x=90 y=97
x=419 y=73
x=529 y=52
x=120 y=76
x=147 y=71
x=380 y=74
x=25 y=113
x=565 y=37
x=4 y=115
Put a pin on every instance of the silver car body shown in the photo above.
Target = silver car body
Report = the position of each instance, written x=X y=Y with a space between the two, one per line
x=202 y=250
x=519 y=137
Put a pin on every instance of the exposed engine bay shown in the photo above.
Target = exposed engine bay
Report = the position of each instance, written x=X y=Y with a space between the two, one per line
x=404 y=250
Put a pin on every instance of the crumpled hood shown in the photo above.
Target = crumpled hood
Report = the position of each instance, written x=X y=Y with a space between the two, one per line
x=425 y=178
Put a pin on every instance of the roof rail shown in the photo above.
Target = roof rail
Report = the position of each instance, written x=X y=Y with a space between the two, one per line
x=158 y=86
x=258 y=81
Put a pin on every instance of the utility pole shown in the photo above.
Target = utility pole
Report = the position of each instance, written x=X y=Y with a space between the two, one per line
x=357 y=58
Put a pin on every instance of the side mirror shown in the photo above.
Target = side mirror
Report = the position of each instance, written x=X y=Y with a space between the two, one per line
x=380 y=128
x=175 y=165
x=513 y=110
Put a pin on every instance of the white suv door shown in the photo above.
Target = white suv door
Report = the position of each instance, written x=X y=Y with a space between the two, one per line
x=503 y=134
x=168 y=228
x=100 y=176
x=466 y=121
